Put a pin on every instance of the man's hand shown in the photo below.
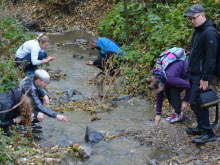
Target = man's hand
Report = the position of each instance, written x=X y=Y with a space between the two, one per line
x=204 y=85
x=157 y=119
x=17 y=120
x=89 y=63
x=62 y=118
x=184 y=105
x=49 y=58
x=46 y=100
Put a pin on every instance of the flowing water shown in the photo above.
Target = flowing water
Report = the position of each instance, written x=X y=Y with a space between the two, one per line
x=133 y=114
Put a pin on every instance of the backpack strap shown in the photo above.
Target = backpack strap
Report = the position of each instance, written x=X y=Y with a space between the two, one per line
x=210 y=28
x=182 y=68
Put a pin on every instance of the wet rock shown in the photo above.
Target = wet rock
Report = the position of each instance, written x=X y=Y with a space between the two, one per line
x=64 y=99
x=198 y=162
x=70 y=142
x=153 y=162
x=166 y=148
x=92 y=135
x=72 y=92
x=118 y=85
x=77 y=98
x=181 y=159
x=116 y=133
x=124 y=97
x=162 y=163
x=98 y=110
x=213 y=159
x=108 y=94
x=85 y=152
x=78 y=56
x=190 y=163
x=202 y=148
x=163 y=156
x=81 y=41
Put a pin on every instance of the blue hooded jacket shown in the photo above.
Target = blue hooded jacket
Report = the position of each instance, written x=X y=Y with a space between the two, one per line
x=106 y=44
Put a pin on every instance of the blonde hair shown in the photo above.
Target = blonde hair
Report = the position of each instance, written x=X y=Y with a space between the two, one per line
x=153 y=83
x=43 y=38
x=26 y=110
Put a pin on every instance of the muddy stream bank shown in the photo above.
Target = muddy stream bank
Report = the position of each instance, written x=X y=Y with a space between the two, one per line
x=131 y=114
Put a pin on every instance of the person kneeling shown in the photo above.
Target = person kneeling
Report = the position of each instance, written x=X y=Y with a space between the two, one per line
x=37 y=82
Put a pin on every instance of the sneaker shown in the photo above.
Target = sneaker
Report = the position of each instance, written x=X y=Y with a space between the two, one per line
x=29 y=72
x=203 y=139
x=194 y=131
x=36 y=126
x=22 y=129
x=175 y=117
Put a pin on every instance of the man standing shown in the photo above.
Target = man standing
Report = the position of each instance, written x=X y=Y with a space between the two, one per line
x=203 y=51
x=107 y=49
x=37 y=82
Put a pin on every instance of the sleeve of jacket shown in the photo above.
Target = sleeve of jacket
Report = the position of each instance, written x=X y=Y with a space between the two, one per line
x=42 y=92
x=38 y=104
x=159 y=103
x=211 y=49
x=5 y=123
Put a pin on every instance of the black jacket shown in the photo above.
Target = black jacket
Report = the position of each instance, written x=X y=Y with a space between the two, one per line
x=203 y=51
x=35 y=93
x=7 y=101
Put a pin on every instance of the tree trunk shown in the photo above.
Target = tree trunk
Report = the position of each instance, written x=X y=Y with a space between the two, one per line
x=1 y=4
x=127 y=25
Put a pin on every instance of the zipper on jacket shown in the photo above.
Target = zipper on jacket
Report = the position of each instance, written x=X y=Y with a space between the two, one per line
x=192 y=50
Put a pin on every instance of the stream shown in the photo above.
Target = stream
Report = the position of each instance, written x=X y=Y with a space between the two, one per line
x=132 y=114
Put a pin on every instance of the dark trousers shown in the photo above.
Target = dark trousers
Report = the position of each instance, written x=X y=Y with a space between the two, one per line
x=174 y=98
x=202 y=115
x=105 y=62
x=28 y=66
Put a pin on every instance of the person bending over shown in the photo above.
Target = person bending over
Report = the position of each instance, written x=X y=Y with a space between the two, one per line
x=33 y=53
x=37 y=82
x=172 y=86
x=107 y=50
x=21 y=114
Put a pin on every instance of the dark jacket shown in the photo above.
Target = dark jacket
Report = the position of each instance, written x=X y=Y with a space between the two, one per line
x=203 y=51
x=7 y=101
x=35 y=93
x=176 y=78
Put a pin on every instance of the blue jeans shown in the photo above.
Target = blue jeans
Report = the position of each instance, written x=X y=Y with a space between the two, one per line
x=29 y=66
x=203 y=115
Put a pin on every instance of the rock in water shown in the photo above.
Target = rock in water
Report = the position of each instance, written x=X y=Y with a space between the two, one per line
x=93 y=136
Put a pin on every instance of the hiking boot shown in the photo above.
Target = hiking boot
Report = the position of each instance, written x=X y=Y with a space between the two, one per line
x=29 y=72
x=175 y=117
x=36 y=126
x=22 y=129
x=194 y=131
x=203 y=139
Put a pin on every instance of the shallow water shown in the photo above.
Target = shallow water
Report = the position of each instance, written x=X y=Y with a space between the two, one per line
x=133 y=114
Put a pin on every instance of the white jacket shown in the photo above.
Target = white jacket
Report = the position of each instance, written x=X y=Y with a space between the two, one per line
x=30 y=47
